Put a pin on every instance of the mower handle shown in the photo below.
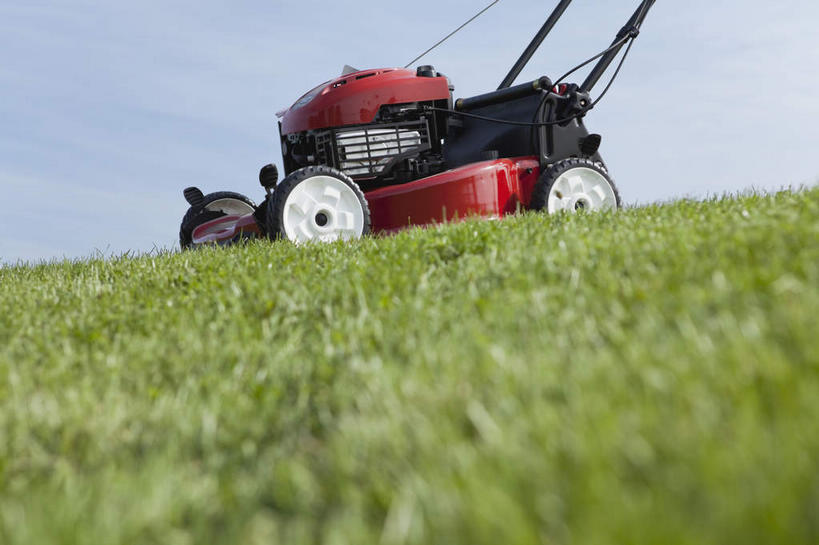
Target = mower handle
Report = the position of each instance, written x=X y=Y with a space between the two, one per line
x=544 y=31
x=504 y=95
x=632 y=28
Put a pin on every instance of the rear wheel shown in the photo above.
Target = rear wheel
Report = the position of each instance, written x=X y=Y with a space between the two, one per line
x=318 y=204
x=211 y=207
x=573 y=185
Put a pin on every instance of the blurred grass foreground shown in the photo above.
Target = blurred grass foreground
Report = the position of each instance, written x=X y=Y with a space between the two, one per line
x=650 y=376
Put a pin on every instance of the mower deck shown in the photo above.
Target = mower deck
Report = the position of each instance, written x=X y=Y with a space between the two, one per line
x=490 y=189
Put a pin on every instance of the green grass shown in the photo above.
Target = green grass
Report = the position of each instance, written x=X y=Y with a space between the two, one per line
x=650 y=376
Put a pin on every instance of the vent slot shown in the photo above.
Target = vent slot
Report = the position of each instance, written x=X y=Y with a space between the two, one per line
x=371 y=151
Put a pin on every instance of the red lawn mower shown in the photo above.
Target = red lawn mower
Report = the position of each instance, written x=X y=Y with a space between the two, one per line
x=376 y=151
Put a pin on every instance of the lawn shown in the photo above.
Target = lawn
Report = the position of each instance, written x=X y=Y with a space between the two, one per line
x=649 y=376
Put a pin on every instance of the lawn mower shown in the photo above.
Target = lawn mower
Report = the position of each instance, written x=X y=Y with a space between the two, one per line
x=377 y=151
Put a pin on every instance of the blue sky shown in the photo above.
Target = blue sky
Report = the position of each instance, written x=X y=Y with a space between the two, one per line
x=109 y=109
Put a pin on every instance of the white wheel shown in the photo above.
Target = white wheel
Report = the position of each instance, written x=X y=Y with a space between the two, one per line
x=581 y=189
x=572 y=185
x=322 y=208
x=318 y=204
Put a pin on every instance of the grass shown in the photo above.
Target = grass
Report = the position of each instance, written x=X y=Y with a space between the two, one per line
x=650 y=376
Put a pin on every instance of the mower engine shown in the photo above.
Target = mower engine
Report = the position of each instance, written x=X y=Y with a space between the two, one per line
x=371 y=125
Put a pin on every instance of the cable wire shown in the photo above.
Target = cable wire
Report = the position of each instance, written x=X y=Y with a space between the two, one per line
x=630 y=38
x=614 y=77
x=551 y=93
x=623 y=60
x=615 y=45
x=503 y=121
x=451 y=34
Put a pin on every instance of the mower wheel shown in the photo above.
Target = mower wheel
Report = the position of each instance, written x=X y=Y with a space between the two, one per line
x=211 y=207
x=320 y=204
x=572 y=185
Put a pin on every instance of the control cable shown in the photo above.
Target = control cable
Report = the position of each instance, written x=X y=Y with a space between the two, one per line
x=451 y=34
x=631 y=37
x=551 y=94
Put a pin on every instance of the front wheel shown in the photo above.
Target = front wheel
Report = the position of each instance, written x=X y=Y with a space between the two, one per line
x=318 y=204
x=205 y=208
x=572 y=185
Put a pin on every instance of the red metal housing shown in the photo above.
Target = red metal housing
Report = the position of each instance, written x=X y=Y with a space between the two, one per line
x=490 y=189
x=355 y=99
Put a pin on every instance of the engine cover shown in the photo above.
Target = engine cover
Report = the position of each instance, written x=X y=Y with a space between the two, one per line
x=356 y=98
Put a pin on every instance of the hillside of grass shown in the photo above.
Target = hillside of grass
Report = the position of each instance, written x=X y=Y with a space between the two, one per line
x=650 y=376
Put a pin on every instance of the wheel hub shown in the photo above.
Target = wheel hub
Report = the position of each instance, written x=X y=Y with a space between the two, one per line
x=581 y=188
x=322 y=208
x=582 y=202
x=321 y=219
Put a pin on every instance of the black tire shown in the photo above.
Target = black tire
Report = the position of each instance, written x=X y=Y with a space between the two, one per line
x=543 y=188
x=276 y=205
x=203 y=212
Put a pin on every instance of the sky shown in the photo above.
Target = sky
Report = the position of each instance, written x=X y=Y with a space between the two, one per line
x=108 y=109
